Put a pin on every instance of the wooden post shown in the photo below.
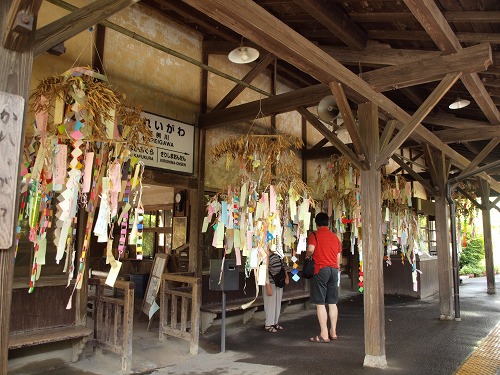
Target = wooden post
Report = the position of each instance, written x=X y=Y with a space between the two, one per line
x=371 y=245
x=488 y=243
x=443 y=240
x=15 y=77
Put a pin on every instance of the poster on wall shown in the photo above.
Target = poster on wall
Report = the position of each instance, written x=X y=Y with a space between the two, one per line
x=11 y=125
x=171 y=147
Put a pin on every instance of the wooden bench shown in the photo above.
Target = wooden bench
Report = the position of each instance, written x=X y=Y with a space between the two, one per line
x=77 y=334
x=210 y=312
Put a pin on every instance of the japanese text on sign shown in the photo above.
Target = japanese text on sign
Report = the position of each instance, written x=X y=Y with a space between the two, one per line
x=11 y=125
x=171 y=146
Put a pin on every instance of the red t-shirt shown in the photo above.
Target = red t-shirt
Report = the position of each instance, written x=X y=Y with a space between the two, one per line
x=326 y=248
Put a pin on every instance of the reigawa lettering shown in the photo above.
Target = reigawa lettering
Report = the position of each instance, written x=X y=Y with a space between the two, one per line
x=171 y=147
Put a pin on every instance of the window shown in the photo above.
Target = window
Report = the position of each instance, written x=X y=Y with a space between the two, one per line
x=427 y=226
x=157 y=232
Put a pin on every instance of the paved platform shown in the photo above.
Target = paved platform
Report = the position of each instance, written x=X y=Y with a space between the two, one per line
x=417 y=342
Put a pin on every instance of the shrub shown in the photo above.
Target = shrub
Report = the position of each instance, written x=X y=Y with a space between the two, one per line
x=472 y=257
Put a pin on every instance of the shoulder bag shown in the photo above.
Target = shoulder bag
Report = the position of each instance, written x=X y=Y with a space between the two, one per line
x=308 y=267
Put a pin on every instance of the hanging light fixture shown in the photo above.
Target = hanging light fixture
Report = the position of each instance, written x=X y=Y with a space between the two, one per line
x=459 y=103
x=243 y=54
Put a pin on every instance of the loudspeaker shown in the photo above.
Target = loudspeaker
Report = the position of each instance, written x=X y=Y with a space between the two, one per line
x=327 y=109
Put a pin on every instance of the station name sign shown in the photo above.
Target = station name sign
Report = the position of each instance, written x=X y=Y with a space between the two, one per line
x=171 y=145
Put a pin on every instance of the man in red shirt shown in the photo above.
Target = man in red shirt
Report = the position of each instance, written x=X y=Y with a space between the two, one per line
x=325 y=248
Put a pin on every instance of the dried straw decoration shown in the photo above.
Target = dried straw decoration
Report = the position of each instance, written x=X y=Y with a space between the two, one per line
x=464 y=206
x=96 y=100
x=267 y=159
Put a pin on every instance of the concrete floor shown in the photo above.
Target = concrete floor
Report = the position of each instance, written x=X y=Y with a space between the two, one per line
x=417 y=342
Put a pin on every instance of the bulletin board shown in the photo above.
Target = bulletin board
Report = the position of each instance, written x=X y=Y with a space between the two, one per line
x=149 y=305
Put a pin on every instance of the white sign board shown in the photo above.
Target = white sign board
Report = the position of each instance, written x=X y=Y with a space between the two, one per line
x=171 y=146
x=11 y=127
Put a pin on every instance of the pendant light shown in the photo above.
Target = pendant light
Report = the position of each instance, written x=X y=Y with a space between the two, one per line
x=459 y=103
x=243 y=54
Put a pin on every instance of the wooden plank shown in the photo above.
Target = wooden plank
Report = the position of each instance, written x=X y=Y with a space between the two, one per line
x=70 y=25
x=195 y=317
x=465 y=16
x=348 y=117
x=45 y=336
x=429 y=162
x=336 y=21
x=453 y=122
x=128 y=329
x=417 y=117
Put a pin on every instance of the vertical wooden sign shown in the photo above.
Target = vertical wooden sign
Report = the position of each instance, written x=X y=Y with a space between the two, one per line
x=11 y=126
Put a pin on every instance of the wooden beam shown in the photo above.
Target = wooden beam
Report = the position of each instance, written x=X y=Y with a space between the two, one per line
x=412 y=160
x=477 y=133
x=453 y=122
x=15 y=78
x=336 y=21
x=255 y=23
x=249 y=77
x=20 y=25
x=433 y=68
x=320 y=144
x=417 y=117
x=349 y=123
x=371 y=201
x=320 y=153
x=433 y=21
x=487 y=237
x=469 y=197
x=328 y=134
x=465 y=16
x=377 y=55
x=389 y=128
x=431 y=166
x=275 y=104
x=480 y=157
x=68 y=26
x=414 y=174
x=467 y=60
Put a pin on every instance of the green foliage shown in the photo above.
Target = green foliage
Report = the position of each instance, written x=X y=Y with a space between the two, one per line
x=472 y=256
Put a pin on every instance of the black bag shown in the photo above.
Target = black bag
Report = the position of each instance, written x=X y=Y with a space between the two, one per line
x=308 y=267
x=279 y=278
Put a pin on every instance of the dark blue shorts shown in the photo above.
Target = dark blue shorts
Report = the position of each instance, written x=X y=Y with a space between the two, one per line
x=324 y=287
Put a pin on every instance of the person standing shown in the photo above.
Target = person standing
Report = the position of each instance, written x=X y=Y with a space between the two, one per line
x=325 y=248
x=272 y=293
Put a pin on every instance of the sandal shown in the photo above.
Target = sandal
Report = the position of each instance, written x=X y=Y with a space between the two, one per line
x=318 y=339
x=270 y=329
x=278 y=327
x=332 y=337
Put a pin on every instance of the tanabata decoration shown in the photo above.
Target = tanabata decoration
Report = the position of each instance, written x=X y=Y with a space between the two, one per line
x=79 y=158
x=339 y=183
x=268 y=209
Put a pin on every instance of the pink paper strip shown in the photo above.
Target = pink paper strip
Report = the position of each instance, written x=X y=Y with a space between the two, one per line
x=87 y=173
x=61 y=164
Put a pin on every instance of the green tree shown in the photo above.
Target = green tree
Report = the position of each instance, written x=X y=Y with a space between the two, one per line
x=472 y=256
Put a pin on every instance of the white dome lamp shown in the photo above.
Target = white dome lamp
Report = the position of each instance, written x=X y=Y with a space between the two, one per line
x=243 y=54
x=459 y=103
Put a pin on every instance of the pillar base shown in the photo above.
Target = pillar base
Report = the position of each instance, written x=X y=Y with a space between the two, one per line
x=446 y=317
x=491 y=291
x=375 y=361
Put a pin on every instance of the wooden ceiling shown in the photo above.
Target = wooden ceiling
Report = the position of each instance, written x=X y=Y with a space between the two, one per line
x=402 y=48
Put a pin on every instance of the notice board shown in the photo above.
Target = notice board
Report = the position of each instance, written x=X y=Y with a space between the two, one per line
x=149 y=305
